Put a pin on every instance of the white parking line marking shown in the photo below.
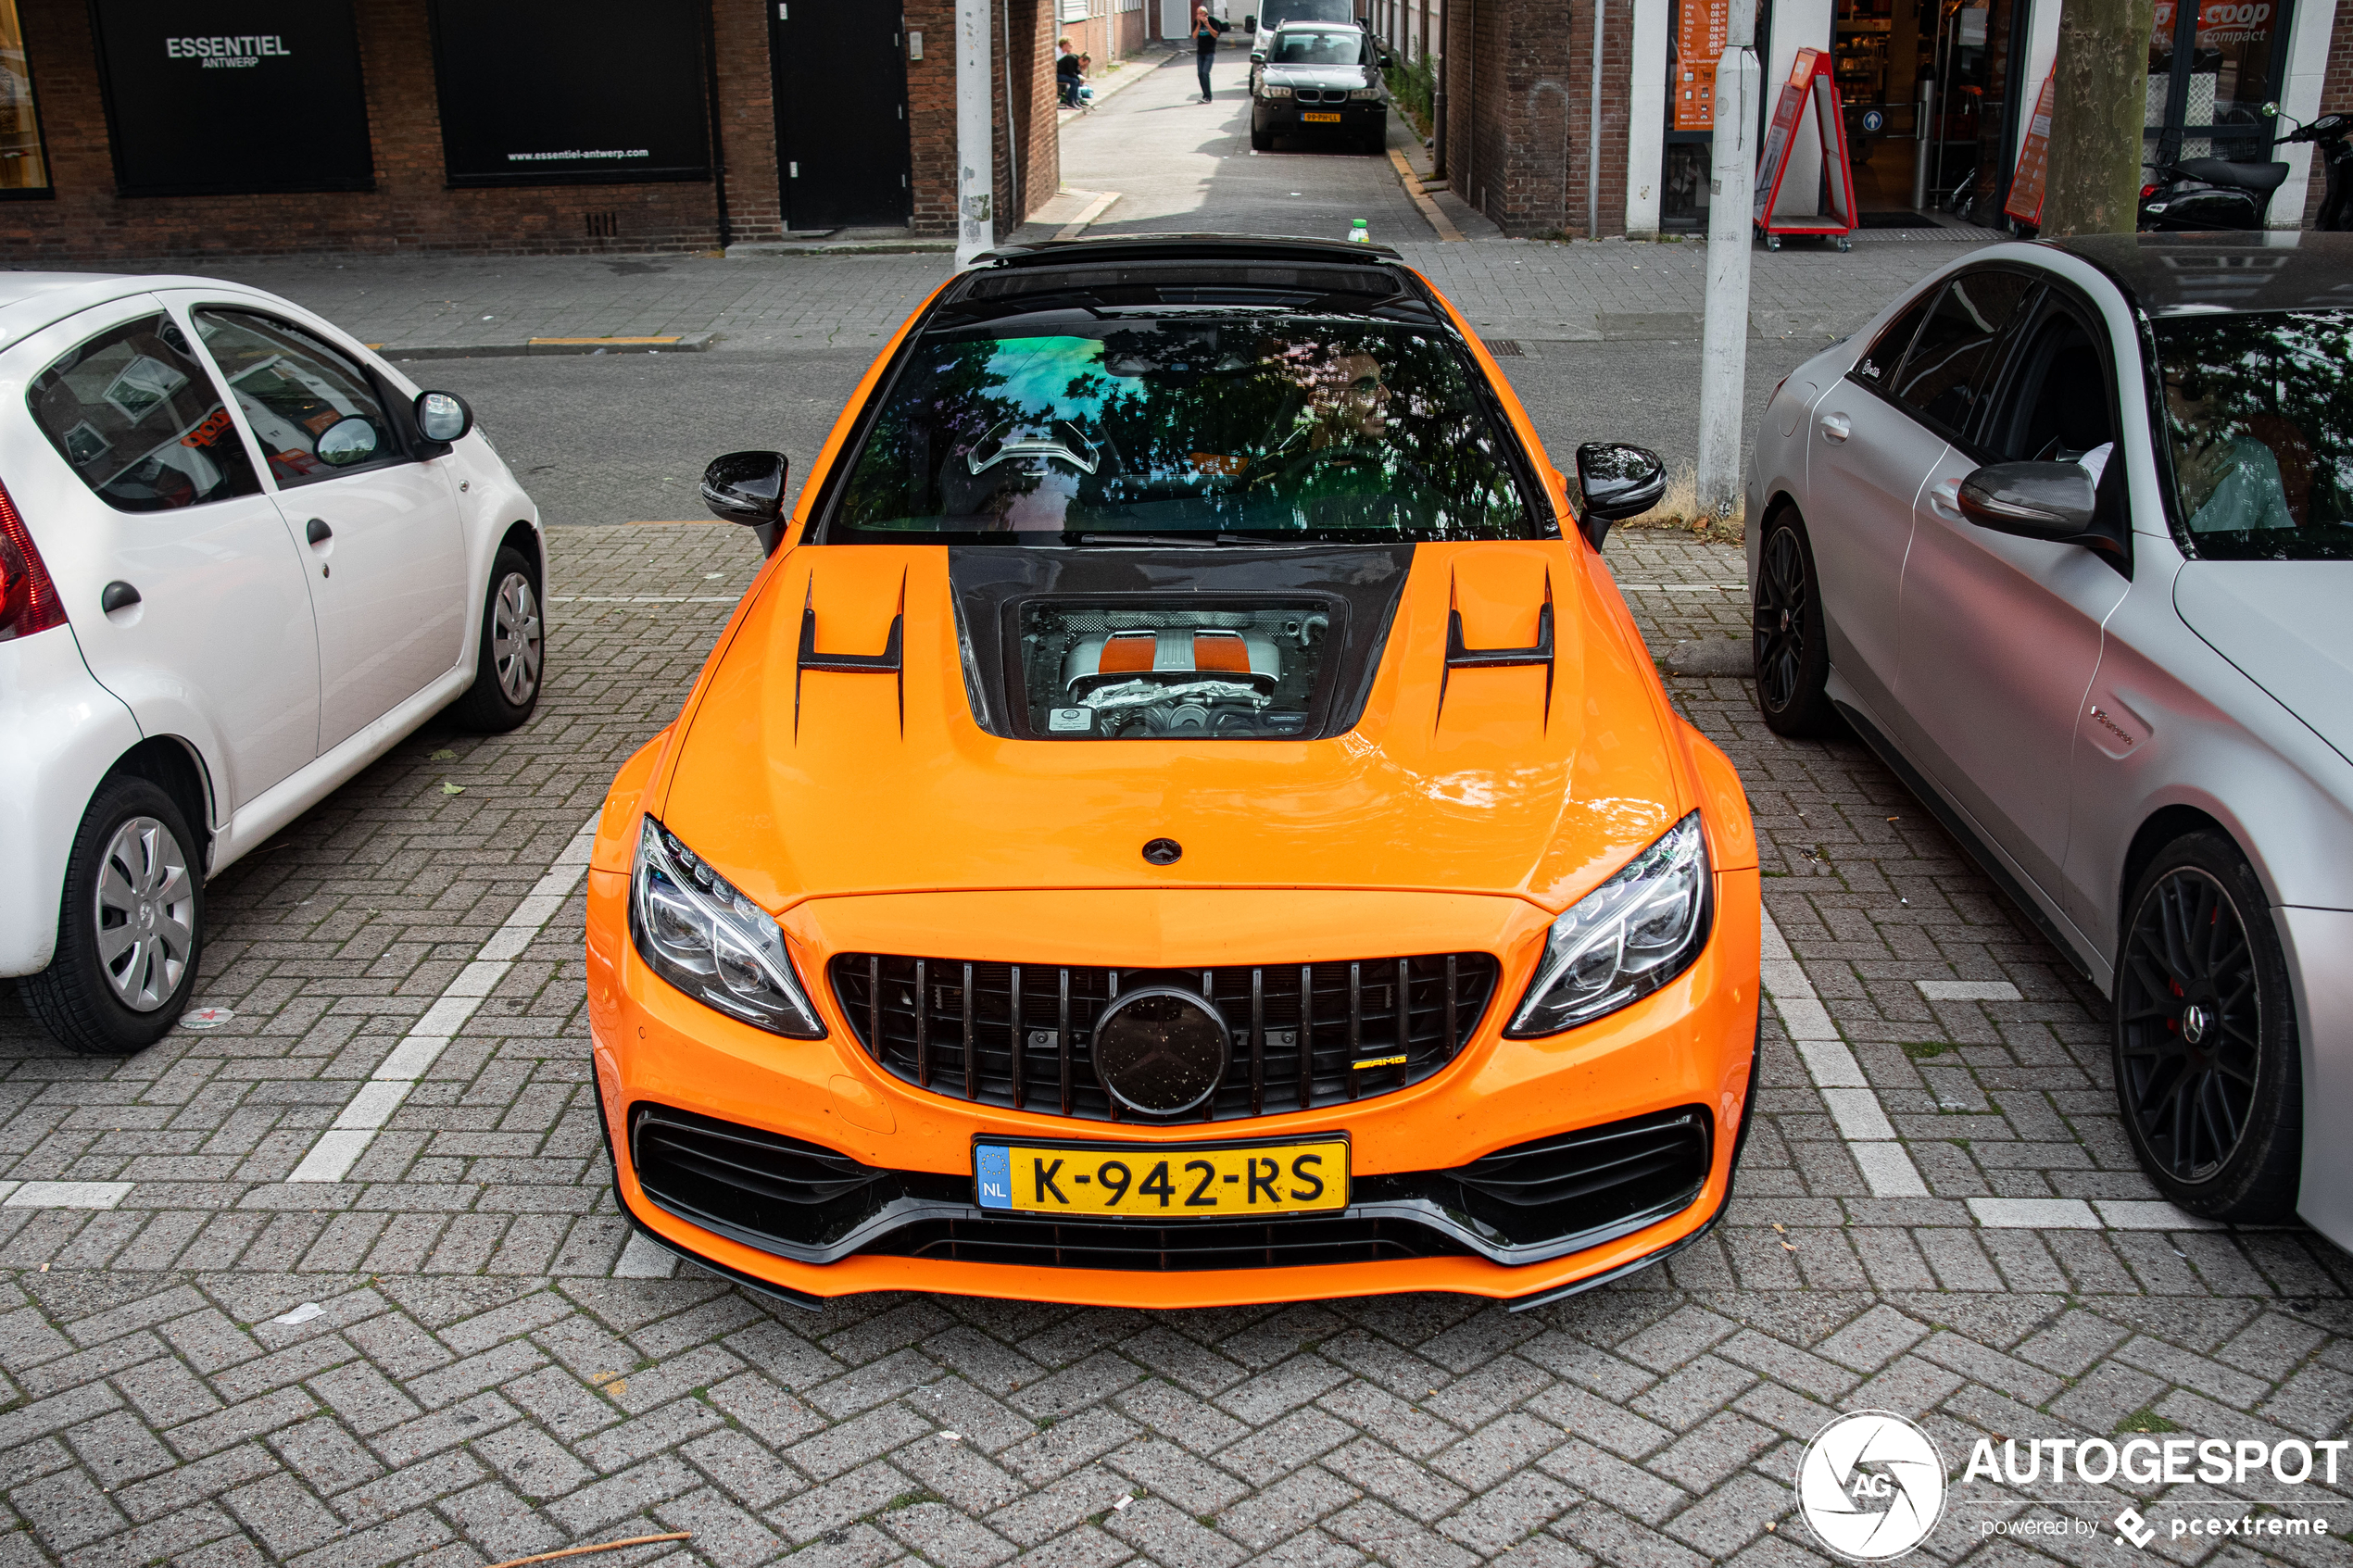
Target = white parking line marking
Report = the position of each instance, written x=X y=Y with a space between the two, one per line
x=1968 y=990
x=65 y=1195
x=645 y=1260
x=2035 y=1213
x=340 y=1147
x=1887 y=1167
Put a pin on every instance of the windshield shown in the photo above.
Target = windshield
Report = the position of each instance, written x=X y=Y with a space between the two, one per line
x=2260 y=420
x=1208 y=426
x=1303 y=46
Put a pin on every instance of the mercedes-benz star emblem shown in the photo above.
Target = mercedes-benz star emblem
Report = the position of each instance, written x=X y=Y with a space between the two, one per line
x=1161 y=1049
x=2193 y=1024
x=1163 y=851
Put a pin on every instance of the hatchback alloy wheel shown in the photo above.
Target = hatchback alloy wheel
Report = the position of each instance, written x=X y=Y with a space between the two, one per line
x=2192 y=1016
x=514 y=637
x=145 y=913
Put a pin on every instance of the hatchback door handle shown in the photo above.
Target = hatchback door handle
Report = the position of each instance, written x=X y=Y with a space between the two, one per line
x=118 y=595
x=1837 y=427
x=317 y=530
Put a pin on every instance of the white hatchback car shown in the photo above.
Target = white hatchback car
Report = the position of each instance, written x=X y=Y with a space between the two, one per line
x=240 y=558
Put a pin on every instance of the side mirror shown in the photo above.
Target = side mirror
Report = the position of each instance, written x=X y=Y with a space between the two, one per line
x=1249 y=23
x=443 y=416
x=2271 y=110
x=1258 y=57
x=746 y=488
x=347 y=442
x=1617 y=482
x=1388 y=60
x=2049 y=501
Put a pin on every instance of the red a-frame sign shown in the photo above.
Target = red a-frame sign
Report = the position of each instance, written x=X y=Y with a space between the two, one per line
x=1810 y=84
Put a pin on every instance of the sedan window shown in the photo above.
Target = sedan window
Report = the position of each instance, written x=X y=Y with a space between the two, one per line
x=1952 y=359
x=2057 y=407
x=1878 y=363
x=1221 y=426
x=2259 y=420
x=142 y=421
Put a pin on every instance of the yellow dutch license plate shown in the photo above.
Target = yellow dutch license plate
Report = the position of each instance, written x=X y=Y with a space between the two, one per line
x=1146 y=1182
x=1320 y=116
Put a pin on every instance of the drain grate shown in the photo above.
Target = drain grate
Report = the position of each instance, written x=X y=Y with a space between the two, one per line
x=1504 y=348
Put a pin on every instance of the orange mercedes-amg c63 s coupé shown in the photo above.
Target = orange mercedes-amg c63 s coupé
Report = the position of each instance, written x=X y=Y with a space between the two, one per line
x=1182 y=817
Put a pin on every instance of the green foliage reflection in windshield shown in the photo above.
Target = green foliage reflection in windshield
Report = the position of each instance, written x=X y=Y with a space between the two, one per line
x=1317 y=429
x=2260 y=420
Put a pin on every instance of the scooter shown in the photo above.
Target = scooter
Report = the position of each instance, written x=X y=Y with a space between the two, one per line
x=2210 y=192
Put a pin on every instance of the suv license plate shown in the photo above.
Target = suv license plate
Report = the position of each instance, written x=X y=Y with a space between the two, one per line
x=1320 y=116
x=1147 y=1180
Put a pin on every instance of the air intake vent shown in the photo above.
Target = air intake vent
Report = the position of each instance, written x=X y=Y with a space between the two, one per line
x=1020 y=1035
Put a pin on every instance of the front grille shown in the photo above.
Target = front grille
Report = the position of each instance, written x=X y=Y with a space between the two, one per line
x=1020 y=1036
x=1320 y=94
x=1261 y=1244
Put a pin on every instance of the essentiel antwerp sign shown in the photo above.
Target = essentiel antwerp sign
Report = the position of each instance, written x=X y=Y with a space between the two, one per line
x=267 y=98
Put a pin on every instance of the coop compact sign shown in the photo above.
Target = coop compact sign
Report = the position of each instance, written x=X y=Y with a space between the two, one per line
x=267 y=98
x=572 y=92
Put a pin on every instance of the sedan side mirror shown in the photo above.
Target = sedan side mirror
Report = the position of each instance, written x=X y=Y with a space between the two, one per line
x=1617 y=482
x=746 y=488
x=347 y=442
x=1258 y=57
x=443 y=416
x=1249 y=23
x=2049 y=501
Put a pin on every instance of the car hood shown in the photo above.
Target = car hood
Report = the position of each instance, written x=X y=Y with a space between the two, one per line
x=798 y=782
x=2283 y=623
x=1343 y=77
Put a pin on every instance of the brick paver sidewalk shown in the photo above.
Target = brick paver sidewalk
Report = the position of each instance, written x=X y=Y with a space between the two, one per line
x=1508 y=288
x=475 y=1382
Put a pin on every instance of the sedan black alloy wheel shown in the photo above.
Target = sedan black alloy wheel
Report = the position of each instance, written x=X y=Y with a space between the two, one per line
x=2192 y=1017
x=1781 y=595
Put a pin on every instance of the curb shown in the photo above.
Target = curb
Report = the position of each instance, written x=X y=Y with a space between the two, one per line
x=697 y=343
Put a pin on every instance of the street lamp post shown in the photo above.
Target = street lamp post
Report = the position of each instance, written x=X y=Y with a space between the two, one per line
x=1723 y=356
x=976 y=134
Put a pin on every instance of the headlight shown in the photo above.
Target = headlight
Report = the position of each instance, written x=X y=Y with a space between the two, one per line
x=1267 y=90
x=1626 y=938
x=712 y=941
x=1363 y=92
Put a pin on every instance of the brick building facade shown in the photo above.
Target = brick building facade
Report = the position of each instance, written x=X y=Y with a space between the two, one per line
x=413 y=204
x=1519 y=138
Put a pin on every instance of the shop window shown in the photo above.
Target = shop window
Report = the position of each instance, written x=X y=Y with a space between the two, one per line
x=2213 y=65
x=24 y=165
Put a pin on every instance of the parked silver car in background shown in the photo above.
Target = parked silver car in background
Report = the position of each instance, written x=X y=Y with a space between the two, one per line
x=2066 y=535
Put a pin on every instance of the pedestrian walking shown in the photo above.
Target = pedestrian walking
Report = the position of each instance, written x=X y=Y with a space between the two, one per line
x=1206 y=30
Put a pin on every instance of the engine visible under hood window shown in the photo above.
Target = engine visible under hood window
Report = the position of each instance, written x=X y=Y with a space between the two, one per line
x=1208 y=426
x=1094 y=673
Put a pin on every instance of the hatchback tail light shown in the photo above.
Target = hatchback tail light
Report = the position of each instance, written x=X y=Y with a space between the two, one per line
x=29 y=600
x=2147 y=191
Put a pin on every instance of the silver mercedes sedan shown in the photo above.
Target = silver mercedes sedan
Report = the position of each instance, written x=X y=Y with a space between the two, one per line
x=2066 y=535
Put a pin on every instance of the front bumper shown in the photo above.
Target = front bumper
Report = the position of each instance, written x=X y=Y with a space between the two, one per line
x=1281 y=117
x=802 y=1166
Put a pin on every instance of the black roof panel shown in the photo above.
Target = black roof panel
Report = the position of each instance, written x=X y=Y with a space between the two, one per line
x=1117 y=248
x=2186 y=274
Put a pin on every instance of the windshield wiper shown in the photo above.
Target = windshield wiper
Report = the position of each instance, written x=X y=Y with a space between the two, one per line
x=1188 y=540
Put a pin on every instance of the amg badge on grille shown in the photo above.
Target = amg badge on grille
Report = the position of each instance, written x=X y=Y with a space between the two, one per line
x=1161 y=1049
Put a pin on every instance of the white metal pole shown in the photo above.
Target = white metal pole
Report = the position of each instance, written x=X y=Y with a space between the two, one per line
x=1594 y=135
x=976 y=137
x=1723 y=358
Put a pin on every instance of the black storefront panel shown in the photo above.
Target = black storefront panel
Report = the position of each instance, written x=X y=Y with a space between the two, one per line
x=572 y=92
x=235 y=97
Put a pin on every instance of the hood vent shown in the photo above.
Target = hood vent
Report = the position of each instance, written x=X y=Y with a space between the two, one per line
x=891 y=661
x=1459 y=657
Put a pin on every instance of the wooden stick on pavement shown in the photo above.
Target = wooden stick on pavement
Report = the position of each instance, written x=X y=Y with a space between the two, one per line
x=602 y=1545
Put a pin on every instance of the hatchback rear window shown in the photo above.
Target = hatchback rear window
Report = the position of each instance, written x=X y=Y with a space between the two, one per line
x=141 y=421
x=1208 y=427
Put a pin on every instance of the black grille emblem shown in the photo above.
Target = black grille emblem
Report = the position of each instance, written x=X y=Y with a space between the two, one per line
x=1161 y=1049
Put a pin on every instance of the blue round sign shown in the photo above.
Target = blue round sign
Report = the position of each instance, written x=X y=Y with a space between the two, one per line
x=1873 y=121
